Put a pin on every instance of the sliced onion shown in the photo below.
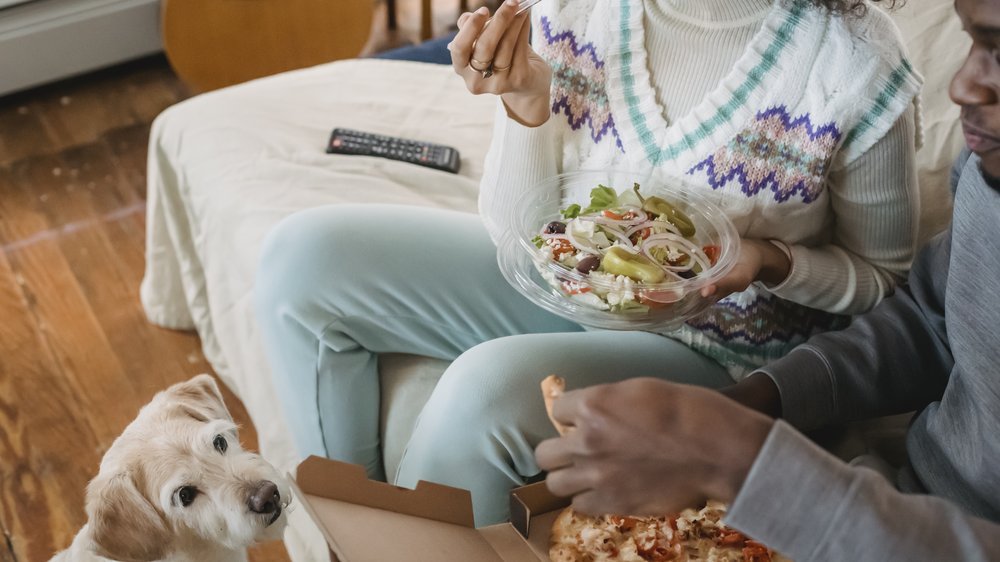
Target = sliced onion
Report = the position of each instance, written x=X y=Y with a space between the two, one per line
x=640 y=216
x=622 y=237
x=654 y=224
x=679 y=243
x=578 y=244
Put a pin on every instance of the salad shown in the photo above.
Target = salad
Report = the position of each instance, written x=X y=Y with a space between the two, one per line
x=623 y=252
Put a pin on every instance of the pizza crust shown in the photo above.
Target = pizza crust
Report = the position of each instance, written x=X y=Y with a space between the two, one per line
x=552 y=387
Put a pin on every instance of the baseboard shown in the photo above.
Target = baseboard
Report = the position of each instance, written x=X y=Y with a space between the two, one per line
x=48 y=40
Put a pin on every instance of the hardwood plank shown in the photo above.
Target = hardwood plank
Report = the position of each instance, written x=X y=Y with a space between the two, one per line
x=128 y=147
x=95 y=187
x=47 y=453
x=19 y=217
x=74 y=337
x=7 y=549
x=268 y=552
x=76 y=111
x=43 y=186
x=22 y=132
x=151 y=89
x=145 y=359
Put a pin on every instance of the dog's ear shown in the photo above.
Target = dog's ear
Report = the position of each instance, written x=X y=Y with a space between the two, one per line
x=200 y=399
x=123 y=524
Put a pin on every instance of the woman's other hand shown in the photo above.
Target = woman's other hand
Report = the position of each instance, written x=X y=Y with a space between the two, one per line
x=759 y=260
x=497 y=59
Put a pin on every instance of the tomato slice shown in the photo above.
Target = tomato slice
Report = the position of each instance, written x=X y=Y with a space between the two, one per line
x=713 y=252
x=661 y=297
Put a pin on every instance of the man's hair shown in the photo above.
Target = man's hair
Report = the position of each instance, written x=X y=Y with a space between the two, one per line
x=853 y=7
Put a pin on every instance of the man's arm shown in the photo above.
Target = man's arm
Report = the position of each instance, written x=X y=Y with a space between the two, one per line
x=848 y=513
x=883 y=352
x=894 y=359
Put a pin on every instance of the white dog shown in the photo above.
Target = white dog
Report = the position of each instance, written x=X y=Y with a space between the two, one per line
x=177 y=486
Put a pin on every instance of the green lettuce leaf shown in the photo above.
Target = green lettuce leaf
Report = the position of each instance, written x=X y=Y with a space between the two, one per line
x=571 y=212
x=601 y=198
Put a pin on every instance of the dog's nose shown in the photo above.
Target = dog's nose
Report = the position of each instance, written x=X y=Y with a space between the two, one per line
x=265 y=498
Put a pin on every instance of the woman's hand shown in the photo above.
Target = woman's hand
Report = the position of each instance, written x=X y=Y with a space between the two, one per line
x=650 y=447
x=497 y=59
x=759 y=260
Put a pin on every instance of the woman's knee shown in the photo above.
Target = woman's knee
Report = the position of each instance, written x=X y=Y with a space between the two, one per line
x=299 y=258
x=484 y=390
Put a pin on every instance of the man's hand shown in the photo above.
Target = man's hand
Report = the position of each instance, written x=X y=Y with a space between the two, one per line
x=650 y=447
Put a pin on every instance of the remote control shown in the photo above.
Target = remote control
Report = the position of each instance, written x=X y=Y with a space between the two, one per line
x=437 y=156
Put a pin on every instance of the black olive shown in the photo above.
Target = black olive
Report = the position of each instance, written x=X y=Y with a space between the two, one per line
x=588 y=264
x=555 y=227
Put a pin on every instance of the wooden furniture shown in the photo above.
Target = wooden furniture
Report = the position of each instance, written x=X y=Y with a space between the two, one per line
x=426 y=19
x=216 y=43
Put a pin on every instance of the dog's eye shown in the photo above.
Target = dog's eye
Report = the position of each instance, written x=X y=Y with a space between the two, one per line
x=220 y=444
x=186 y=495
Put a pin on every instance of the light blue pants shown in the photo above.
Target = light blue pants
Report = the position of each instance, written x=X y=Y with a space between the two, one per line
x=339 y=285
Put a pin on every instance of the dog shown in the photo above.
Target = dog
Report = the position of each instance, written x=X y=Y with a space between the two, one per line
x=177 y=486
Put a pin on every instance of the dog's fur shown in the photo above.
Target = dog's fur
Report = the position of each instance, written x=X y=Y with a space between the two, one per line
x=133 y=505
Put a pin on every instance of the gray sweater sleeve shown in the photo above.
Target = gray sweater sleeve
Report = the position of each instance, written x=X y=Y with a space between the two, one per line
x=848 y=513
x=892 y=360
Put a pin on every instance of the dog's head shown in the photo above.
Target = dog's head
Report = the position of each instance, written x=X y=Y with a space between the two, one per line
x=178 y=478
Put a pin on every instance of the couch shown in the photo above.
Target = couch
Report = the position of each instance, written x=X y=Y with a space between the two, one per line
x=226 y=166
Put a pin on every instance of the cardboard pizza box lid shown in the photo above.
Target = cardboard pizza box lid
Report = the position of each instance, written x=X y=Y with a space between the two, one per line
x=367 y=521
x=533 y=509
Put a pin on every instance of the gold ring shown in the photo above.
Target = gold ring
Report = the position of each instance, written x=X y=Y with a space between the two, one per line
x=502 y=68
x=485 y=65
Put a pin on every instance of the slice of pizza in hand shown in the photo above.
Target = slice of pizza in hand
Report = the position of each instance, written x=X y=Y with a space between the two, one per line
x=686 y=537
x=552 y=387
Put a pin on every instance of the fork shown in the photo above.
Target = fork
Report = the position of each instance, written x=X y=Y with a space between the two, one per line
x=525 y=6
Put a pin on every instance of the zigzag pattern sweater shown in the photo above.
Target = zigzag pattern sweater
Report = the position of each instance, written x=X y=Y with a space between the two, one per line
x=811 y=94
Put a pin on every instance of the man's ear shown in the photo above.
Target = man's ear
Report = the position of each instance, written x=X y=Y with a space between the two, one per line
x=200 y=399
x=122 y=523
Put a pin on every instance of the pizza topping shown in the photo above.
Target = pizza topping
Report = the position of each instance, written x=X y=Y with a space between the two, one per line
x=693 y=535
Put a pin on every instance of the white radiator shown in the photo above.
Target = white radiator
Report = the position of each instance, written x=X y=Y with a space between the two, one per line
x=46 y=40
x=9 y=3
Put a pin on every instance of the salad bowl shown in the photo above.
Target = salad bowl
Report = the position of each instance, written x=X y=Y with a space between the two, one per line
x=617 y=250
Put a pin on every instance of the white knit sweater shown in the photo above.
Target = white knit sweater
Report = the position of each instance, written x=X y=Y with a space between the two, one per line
x=807 y=136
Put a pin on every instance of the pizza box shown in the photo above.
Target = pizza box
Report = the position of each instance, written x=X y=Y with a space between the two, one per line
x=367 y=521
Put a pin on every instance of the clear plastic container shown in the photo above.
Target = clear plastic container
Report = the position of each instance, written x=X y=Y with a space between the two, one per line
x=666 y=305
